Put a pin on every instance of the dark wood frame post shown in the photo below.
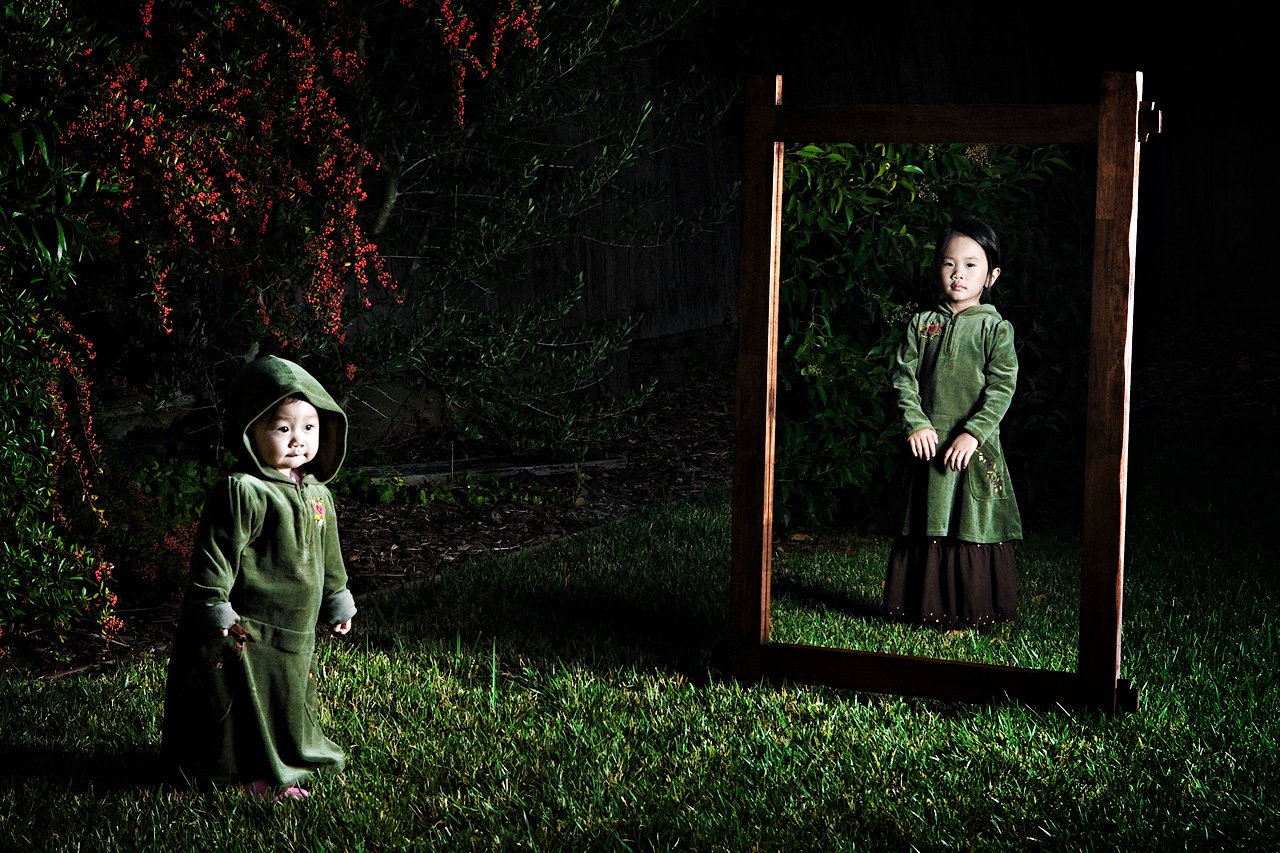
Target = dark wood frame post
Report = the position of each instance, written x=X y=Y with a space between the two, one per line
x=1123 y=124
x=756 y=380
x=1117 y=125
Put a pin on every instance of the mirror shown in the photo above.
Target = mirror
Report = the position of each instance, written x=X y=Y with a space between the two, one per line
x=1116 y=125
x=858 y=227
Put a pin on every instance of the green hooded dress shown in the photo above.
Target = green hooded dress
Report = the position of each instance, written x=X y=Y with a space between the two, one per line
x=957 y=373
x=266 y=565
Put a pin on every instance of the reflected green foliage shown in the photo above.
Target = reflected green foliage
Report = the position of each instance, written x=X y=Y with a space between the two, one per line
x=858 y=239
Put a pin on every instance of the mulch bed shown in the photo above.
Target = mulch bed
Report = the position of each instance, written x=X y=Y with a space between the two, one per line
x=685 y=448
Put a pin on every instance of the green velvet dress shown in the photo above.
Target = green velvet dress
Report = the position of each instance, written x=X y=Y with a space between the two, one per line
x=953 y=562
x=267 y=565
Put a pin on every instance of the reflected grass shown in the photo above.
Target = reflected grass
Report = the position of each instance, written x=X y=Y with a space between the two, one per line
x=827 y=593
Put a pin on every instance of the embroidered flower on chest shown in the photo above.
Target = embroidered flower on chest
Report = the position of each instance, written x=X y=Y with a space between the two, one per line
x=317 y=512
x=931 y=331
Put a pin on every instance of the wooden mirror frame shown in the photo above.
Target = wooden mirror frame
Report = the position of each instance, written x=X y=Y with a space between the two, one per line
x=1118 y=124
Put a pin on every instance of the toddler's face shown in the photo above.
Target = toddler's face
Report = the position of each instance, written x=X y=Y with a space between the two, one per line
x=287 y=437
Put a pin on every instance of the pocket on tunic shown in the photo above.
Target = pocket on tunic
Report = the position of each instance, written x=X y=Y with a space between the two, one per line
x=222 y=668
x=987 y=476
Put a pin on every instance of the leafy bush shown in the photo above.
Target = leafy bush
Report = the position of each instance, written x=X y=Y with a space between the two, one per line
x=536 y=386
x=154 y=504
x=363 y=186
x=51 y=578
x=858 y=238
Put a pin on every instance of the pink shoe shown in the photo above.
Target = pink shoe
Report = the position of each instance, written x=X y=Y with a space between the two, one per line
x=264 y=788
x=293 y=792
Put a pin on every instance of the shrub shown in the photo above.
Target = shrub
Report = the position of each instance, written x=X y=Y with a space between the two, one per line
x=363 y=186
x=52 y=579
x=515 y=195
x=155 y=505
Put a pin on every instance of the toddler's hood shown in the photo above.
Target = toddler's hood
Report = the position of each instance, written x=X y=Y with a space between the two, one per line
x=263 y=383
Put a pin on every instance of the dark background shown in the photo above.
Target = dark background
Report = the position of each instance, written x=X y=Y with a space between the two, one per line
x=1204 y=355
x=1206 y=181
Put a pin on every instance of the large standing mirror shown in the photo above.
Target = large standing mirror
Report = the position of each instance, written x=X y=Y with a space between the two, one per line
x=832 y=572
x=858 y=226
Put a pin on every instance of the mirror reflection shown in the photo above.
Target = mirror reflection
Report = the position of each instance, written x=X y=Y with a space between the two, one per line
x=866 y=317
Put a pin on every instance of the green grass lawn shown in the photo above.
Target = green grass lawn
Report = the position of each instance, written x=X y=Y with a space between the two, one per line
x=829 y=594
x=573 y=699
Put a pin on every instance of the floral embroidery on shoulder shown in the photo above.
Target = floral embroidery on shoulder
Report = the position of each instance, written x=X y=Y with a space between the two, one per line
x=317 y=509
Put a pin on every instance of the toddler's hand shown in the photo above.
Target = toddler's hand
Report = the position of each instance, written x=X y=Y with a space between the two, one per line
x=923 y=443
x=239 y=633
x=341 y=627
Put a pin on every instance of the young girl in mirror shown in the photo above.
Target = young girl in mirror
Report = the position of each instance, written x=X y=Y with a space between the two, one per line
x=952 y=563
x=240 y=702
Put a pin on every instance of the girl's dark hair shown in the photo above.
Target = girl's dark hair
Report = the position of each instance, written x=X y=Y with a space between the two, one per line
x=977 y=231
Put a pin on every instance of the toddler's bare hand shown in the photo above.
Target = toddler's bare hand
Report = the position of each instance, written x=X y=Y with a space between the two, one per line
x=342 y=627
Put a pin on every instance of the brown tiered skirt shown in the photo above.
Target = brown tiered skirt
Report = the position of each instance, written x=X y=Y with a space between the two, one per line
x=951 y=583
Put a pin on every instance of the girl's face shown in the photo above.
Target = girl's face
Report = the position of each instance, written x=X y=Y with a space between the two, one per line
x=287 y=437
x=964 y=273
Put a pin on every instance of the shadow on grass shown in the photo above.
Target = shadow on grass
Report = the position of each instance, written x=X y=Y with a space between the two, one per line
x=650 y=592
x=126 y=770
x=812 y=596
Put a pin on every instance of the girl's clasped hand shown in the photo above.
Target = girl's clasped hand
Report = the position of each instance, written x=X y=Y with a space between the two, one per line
x=924 y=445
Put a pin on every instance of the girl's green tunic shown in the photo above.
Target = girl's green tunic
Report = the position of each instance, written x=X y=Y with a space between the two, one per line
x=957 y=373
x=267 y=565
